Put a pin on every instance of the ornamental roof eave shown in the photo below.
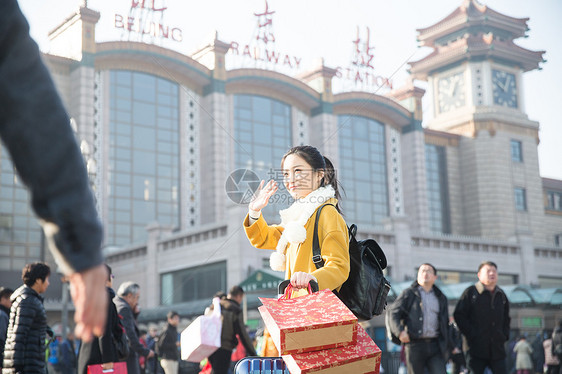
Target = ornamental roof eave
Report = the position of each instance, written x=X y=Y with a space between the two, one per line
x=381 y=108
x=471 y=13
x=476 y=48
x=272 y=84
x=152 y=59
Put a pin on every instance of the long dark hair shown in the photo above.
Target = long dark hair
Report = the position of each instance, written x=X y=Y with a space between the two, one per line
x=318 y=162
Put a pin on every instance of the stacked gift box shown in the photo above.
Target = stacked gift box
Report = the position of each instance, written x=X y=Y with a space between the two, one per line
x=317 y=333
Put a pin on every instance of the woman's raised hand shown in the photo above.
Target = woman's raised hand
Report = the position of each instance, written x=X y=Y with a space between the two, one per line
x=262 y=195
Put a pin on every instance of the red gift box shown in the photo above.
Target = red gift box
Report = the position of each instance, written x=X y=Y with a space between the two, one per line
x=309 y=323
x=118 y=368
x=364 y=357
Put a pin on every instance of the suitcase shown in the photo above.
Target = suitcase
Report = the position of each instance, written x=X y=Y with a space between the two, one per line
x=261 y=365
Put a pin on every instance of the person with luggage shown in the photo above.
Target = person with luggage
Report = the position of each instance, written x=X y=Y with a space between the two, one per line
x=102 y=350
x=232 y=325
x=311 y=181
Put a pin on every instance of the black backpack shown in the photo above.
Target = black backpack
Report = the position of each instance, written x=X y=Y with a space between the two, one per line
x=365 y=290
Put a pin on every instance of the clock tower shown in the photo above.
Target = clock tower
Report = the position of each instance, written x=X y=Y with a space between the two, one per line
x=475 y=66
x=475 y=82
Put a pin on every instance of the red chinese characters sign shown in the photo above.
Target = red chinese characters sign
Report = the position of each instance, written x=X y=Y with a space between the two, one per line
x=361 y=71
x=261 y=49
x=143 y=22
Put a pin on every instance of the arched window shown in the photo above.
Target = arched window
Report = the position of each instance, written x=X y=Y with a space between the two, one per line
x=362 y=170
x=262 y=132
x=144 y=135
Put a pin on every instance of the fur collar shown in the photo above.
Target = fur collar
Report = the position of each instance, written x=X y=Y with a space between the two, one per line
x=293 y=220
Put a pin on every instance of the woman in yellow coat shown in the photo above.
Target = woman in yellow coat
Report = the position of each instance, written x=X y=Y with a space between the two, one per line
x=311 y=180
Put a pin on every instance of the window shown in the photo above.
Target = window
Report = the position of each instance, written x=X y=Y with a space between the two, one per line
x=197 y=283
x=19 y=228
x=437 y=189
x=554 y=200
x=363 y=172
x=516 y=151
x=144 y=133
x=558 y=240
x=262 y=128
x=520 y=199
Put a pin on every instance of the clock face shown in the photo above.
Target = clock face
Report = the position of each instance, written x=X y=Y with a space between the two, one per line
x=451 y=92
x=504 y=88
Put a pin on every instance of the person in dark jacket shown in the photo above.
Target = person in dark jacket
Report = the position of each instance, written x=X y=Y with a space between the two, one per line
x=168 y=345
x=457 y=357
x=482 y=314
x=419 y=318
x=556 y=348
x=152 y=364
x=102 y=350
x=25 y=346
x=35 y=129
x=67 y=355
x=232 y=324
x=5 y=305
x=126 y=302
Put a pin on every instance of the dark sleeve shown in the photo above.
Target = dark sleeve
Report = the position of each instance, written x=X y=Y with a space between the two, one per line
x=4 y=320
x=106 y=344
x=398 y=313
x=168 y=341
x=506 y=318
x=36 y=130
x=25 y=314
x=129 y=324
x=462 y=313
x=240 y=329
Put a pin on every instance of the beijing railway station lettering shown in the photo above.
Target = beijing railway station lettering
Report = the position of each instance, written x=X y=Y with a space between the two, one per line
x=265 y=55
x=141 y=20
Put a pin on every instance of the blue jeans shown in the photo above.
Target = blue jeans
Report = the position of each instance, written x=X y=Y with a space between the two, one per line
x=424 y=353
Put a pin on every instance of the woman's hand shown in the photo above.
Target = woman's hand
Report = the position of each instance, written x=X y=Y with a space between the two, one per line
x=107 y=366
x=262 y=195
x=301 y=279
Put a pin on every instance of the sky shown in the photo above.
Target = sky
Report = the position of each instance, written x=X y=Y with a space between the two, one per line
x=314 y=29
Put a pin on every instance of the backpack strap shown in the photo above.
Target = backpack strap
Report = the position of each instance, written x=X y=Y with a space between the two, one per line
x=316 y=250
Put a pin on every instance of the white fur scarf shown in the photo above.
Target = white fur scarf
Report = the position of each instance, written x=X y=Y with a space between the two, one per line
x=293 y=220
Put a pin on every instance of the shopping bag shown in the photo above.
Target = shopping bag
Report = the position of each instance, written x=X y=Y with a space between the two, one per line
x=203 y=336
x=363 y=357
x=118 y=368
x=308 y=323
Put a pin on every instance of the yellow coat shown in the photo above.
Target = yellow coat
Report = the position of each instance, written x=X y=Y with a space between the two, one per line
x=332 y=236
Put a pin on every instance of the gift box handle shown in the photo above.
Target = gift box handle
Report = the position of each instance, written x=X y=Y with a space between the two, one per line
x=285 y=288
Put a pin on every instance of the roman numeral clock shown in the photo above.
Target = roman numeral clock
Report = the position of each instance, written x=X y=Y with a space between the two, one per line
x=504 y=88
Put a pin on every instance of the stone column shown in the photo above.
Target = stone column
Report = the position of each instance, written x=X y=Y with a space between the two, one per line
x=528 y=271
x=215 y=143
x=401 y=262
x=151 y=289
x=323 y=126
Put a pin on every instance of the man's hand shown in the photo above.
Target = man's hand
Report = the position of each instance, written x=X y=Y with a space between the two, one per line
x=150 y=354
x=90 y=300
x=404 y=337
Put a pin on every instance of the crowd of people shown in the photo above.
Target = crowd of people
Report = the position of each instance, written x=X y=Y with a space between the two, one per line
x=474 y=339
x=33 y=118
x=28 y=345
